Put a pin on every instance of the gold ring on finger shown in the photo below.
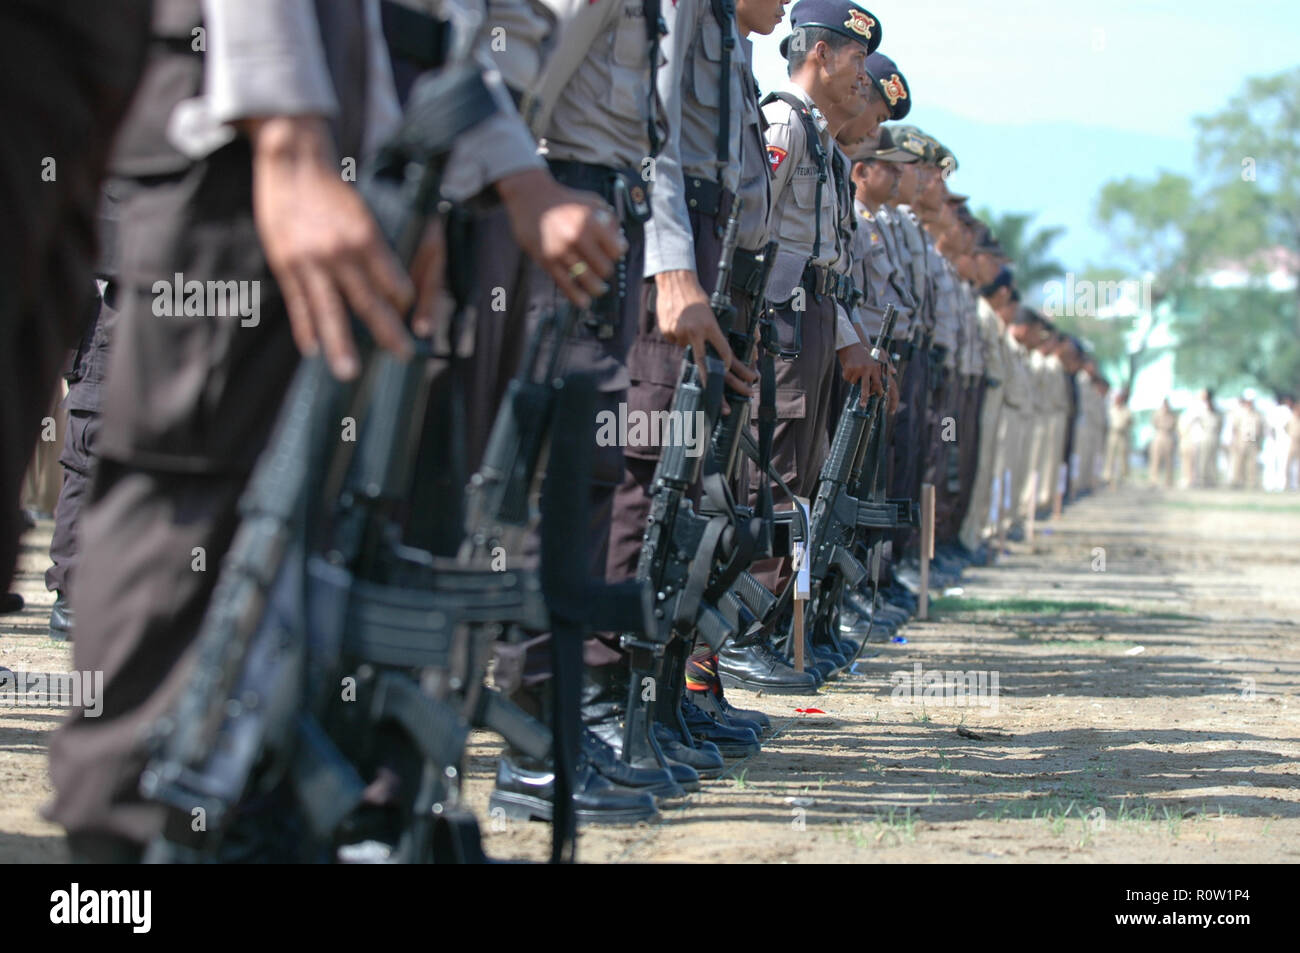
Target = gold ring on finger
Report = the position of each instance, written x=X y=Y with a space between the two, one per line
x=578 y=269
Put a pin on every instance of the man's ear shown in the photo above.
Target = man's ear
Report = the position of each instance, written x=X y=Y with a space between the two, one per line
x=858 y=173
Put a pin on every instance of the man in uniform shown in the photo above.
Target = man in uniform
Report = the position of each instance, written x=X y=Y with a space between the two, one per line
x=1118 y=439
x=995 y=289
x=76 y=67
x=827 y=65
x=1164 y=423
x=261 y=119
x=1245 y=436
x=1016 y=434
x=85 y=396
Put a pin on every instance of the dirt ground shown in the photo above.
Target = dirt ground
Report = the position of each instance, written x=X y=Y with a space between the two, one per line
x=1147 y=658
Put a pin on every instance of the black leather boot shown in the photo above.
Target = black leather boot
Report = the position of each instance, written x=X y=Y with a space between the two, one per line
x=756 y=667
x=655 y=780
x=61 y=618
x=704 y=756
x=705 y=688
x=732 y=742
x=604 y=702
x=526 y=791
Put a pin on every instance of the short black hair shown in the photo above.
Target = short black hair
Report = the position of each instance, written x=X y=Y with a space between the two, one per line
x=804 y=40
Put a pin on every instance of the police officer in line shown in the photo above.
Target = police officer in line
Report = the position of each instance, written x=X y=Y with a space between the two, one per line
x=828 y=86
x=190 y=401
x=561 y=209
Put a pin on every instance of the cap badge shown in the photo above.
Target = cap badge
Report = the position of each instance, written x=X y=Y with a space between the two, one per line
x=894 y=89
x=860 y=23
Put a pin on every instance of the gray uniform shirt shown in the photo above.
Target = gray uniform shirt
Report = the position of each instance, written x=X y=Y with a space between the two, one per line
x=593 y=99
x=876 y=275
x=266 y=59
x=692 y=100
x=886 y=220
x=796 y=215
x=946 y=307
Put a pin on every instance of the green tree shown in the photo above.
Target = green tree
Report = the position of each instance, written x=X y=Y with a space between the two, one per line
x=1244 y=203
x=1029 y=250
x=1251 y=149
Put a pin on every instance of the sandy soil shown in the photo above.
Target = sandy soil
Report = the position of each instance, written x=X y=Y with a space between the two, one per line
x=1148 y=710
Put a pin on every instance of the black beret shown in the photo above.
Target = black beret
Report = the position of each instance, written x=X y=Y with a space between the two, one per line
x=1003 y=279
x=891 y=84
x=837 y=16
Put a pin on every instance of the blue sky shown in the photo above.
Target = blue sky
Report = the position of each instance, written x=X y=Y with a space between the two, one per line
x=1044 y=101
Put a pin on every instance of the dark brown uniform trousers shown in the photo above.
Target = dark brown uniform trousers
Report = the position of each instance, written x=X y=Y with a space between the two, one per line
x=69 y=69
x=190 y=403
x=654 y=366
x=504 y=322
x=909 y=452
x=803 y=403
x=941 y=441
x=83 y=404
x=968 y=444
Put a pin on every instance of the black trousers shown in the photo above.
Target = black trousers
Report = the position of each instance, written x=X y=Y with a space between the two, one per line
x=76 y=66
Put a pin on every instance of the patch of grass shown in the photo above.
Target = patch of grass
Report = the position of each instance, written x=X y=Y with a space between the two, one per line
x=739 y=780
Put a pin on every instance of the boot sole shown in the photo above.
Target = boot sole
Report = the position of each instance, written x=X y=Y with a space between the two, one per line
x=523 y=807
x=731 y=681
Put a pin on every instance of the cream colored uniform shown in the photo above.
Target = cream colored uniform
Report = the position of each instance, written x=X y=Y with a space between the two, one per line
x=1245 y=434
x=1292 y=430
x=976 y=526
x=1117 y=443
x=1015 y=430
x=1165 y=424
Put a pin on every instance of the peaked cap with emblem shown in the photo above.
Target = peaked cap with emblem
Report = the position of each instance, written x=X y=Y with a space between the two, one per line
x=891 y=83
x=916 y=142
x=848 y=19
x=937 y=153
x=888 y=149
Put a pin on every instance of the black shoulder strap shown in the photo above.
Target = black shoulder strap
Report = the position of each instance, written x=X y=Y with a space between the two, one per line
x=655 y=30
x=724 y=11
x=814 y=146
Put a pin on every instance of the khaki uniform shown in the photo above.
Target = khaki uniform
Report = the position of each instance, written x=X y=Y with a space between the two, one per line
x=1245 y=435
x=1193 y=433
x=1292 y=431
x=1038 y=423
x=1161 y=463
x=992 y=344
x=1117 y=443
x=1015 y=432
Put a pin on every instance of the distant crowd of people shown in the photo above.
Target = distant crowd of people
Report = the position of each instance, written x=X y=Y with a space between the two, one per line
x=1242 y=446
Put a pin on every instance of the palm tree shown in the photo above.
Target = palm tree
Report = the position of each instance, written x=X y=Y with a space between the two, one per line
x=1029 y=251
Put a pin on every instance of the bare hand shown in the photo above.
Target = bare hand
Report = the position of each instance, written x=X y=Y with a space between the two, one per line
x=686 y=319
x=859 y=367
x=322 y=244
x=573 y=235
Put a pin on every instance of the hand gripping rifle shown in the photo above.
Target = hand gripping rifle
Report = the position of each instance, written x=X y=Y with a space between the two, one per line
x=338 y=668
x=689 y=559
x=837 y=514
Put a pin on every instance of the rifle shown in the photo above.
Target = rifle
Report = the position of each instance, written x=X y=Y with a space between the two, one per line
x=689 y=559
x=319 y=592
x=838 y=516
